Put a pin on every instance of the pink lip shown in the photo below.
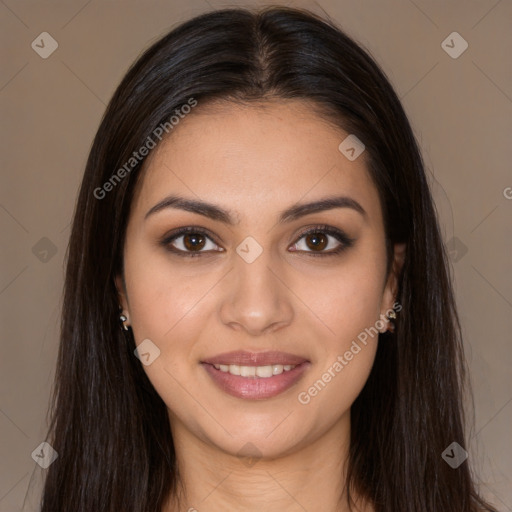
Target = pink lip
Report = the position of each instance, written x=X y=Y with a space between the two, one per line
x=256 y=388
x=243 y=358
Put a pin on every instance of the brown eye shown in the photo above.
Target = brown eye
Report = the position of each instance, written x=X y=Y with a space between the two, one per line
x=190 y=241
x=323 y=241
x=316 y=241
x=194 y=241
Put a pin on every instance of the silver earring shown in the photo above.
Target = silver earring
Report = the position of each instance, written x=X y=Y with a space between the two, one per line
x=123 y=319
x=391 y=316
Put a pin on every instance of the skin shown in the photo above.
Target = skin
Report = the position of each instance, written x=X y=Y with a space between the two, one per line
x=255 y=161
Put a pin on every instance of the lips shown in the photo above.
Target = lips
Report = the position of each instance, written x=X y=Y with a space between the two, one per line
x=255 y=375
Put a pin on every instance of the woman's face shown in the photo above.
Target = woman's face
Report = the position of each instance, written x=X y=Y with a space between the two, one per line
x=246 y=288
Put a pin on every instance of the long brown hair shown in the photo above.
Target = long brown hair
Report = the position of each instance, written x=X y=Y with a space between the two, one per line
x=108 y=424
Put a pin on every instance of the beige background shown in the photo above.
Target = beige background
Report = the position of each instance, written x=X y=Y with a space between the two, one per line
x=461 y=113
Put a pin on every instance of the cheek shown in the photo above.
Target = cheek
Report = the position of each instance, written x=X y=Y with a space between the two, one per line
x=171 y=310
x=170 y=306
x=162 y=296
x=344 y=302
x=348 y=308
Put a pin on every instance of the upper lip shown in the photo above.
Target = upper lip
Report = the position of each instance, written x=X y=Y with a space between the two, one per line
x=244 y=358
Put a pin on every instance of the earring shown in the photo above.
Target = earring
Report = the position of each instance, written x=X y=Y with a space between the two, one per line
x=391 y=316
x=123 y=319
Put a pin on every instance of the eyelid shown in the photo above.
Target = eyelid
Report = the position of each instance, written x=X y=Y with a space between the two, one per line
x=337 y=233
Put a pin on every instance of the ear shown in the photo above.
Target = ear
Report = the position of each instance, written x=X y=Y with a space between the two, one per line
x=121 y=292
x=391 y=288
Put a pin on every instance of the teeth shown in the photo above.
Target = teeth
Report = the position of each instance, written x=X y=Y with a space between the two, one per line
x=277 y=369
x=263 y=372
x=247 y=371
x=234 y=369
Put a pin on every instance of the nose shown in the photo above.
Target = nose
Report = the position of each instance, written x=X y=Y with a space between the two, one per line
x=256 y=298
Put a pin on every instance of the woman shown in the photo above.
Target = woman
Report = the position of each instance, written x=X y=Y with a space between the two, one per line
x=258 y=313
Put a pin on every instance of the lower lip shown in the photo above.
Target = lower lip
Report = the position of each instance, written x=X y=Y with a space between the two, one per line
x=254 y=388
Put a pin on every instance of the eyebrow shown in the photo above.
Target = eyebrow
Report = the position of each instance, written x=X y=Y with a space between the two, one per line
x=217 y=213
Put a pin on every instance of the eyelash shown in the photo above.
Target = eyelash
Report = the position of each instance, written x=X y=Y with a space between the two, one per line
x=339 y=235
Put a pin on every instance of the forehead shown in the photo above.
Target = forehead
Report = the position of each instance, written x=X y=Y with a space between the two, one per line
x=255 y=157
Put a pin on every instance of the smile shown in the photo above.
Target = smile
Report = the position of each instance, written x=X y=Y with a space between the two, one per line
x=261 y=372
x=255 y=382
